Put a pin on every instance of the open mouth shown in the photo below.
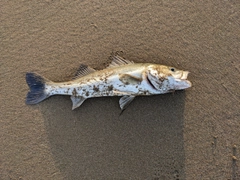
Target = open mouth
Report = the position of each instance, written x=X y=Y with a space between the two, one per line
x=183 y=80
x=184 y=75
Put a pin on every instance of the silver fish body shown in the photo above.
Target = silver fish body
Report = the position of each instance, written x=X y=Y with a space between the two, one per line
x=121 y=78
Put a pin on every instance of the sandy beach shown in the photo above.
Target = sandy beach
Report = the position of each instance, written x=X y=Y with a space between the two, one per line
x=191 y=134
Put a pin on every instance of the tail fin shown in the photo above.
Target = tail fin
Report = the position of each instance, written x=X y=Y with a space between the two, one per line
x=37 y=92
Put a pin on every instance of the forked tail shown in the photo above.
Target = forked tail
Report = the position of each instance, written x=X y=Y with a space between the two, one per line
x=36 y=84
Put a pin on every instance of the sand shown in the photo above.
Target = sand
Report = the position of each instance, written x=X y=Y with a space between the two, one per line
x=192 y=134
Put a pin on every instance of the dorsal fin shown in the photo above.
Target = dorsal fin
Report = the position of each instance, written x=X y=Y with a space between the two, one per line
x=119 y=61
x=83 y=70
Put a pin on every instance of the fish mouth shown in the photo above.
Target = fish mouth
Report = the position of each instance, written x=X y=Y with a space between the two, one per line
x=187 y=83
x=183 y=79
x=184 y=75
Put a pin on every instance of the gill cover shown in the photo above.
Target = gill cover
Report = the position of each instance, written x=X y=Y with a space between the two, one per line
x=155 y=79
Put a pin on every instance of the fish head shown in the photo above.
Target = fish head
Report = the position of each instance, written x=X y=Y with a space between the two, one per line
x=166 y=78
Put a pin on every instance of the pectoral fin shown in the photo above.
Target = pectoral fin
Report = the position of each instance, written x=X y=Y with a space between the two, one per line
x=125 y=101
x=129 y=79
x=77 y=101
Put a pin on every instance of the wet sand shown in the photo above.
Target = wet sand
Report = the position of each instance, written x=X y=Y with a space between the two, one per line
x=192 y=134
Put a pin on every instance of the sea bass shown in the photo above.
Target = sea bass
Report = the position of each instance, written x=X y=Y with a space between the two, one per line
x=121 y=78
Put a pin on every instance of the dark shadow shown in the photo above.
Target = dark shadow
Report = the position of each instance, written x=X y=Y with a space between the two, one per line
x=94 y=142
x=235 y=174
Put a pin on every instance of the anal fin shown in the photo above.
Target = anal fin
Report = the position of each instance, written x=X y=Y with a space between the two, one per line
x=77 y=101
x=125 y=101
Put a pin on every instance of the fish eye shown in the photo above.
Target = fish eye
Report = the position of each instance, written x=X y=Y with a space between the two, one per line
x=172 y=69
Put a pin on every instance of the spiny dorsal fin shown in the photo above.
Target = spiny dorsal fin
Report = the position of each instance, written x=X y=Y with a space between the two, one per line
x=119 y=61
x=83 y=70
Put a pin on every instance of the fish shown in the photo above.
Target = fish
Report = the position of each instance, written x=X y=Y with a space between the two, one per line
x=121 y=78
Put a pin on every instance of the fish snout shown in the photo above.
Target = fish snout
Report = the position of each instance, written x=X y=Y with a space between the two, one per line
x=184 y=75
x=181 y=82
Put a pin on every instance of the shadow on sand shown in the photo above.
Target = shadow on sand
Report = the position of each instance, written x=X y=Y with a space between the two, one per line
x=94 y=142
